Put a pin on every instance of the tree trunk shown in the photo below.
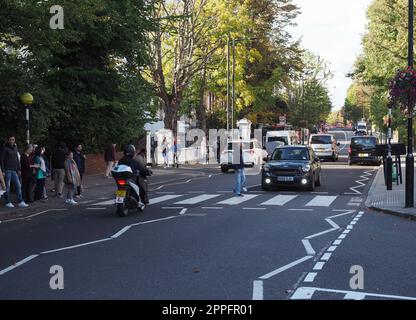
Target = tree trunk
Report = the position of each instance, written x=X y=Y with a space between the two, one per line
x=171 y=114
x=201 y=111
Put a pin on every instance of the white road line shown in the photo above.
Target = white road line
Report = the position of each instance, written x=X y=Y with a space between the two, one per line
x=331 y=249
x=196 y=192
x=349 y=227
x=212 y=208
x=163 y=198
x=125 y=229
x=300 y=209
x=321 y=192
x=18 y=264
x=326 y=256
x=304 y=293
x=238 y=200
x=165 y=192
x=198 y=199
x=183 y=211
x=224 y=192
x=353 y=222
x=342 y=236
x=337 y=242
x=286 y=267
x=105 y=203
x=254 y=208
x=151 y=221
x=319 y=265
x=32 y=215
x=279 y=200
x=172 y=208
x=257 y=290
x=76 y=246
x=346 y=231
x=308 y=247
x=310 y=277
x=321 y=201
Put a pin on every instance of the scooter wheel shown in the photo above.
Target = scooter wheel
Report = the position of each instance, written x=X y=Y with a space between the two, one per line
x=122 y=210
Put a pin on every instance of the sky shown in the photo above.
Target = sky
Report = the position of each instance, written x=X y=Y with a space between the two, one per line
x=333 y=30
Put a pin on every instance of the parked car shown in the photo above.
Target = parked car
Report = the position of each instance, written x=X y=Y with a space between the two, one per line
x=325 y=146
x=292 y=166
x=363 y=150
x=253 y=154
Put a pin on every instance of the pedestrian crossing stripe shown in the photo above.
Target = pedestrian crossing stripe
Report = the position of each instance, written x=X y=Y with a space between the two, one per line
x=271 y=200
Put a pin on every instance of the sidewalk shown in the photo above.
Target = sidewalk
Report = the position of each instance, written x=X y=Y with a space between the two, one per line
x=96 y=187
x=392 y=202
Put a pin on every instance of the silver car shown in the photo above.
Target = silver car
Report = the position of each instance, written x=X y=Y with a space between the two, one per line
x=325 y=146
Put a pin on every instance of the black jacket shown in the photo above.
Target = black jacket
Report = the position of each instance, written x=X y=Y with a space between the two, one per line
x=58 y=159
x=134 y=165
x=10 y=159
x=80 y=161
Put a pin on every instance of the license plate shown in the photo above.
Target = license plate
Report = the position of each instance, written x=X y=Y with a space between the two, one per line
x=363 y=155
x=285 y=178
x=120 y=199
x=121 y=193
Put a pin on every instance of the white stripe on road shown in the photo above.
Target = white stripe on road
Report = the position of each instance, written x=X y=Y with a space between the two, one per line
x=337 y=242
x=198 y=199
x=288 y=266
x=237 y=200
x=18 y=264
x=105 y=203
x=319 y=265
x=308 y=247
x=310 y=277
x=211 y=208
x=257 y=290
x=300 y=209
x=125 y=229
x=279 y=200
x=331 y=249
x=76 y=246
x=326 y=256
x=321 y=201
x=163 y=198
x=183 y=211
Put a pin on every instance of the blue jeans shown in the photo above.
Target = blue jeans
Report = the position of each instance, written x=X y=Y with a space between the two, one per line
x=13 y=176
x=240 y=180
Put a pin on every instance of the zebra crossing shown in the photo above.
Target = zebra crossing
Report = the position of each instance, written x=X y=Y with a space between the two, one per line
x=258 y=200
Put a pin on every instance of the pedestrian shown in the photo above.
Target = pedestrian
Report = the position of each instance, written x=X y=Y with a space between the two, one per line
x=175 y=153
x=72 y=178
x=109 y=158
x=144 y=172
x=28 y=173
x=10 y=165
x=238 y=165
x=58 y=170
x=79 y=158
x=153 y=147
x=40 y=176
x=165 y=152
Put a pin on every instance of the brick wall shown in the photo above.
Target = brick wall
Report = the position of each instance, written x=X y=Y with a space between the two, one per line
x=95 y=163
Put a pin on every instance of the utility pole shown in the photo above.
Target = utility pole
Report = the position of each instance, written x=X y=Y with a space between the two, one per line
x=389 y=160
x=228 y=83
x=233 y=89
x=410 y=172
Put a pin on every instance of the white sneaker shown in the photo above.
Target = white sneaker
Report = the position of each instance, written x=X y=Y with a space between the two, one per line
x=67 y=201
x=73 y=202
x=9 y=205
x=23 y=205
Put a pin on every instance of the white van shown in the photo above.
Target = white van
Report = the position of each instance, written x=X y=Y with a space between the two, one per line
x=273 y=139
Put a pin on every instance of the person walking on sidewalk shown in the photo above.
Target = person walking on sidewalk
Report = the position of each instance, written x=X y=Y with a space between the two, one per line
x=79 y=158
x=40 y=176
x=165 y=152
x=238 y=165
x=10 y=164
x=72 y=178
x=58 y=159
x=28 y=174
x=110 y=159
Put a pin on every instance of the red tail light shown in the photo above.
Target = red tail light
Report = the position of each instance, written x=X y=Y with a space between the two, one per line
x=349 y=150
x=122 y=182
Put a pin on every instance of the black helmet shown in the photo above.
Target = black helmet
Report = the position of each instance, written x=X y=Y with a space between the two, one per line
x=129 y=150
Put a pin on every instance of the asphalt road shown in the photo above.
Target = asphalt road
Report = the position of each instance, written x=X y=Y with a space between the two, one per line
x=196 y=241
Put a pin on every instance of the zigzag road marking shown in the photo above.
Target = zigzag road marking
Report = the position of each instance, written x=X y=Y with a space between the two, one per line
x=365 y=177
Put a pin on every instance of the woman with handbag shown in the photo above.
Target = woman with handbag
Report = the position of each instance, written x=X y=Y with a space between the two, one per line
x=40 y=177
x=72 y=178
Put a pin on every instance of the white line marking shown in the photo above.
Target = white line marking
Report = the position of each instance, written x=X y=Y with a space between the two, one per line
x=310 y=277
x=300 y=209
x=319 y=265
x=331 y=249
x=279 y=200
x=342 y=236
x=163 y=198
x=326 y=256
x=125 y=229
x=212 y=208
x=196 y=192
x=105 y=203
x=288 y=266
x=349 y=227
x=307 y=293
x=172 y=208
x=76 y=246
x=165 y=192
x=254 y=208
x=321 y=201
x=353 y=222
x=224 y=192
x=160 y=187
x=337 y=242
x=322 y=192
x=18 y=264
x=151 y=221
x=33 y=215
x=238 y=200
x=183 y=211
x=308 y=247
x=257 y=290
x=198 y=199
x=354 y=296
x=346 y=231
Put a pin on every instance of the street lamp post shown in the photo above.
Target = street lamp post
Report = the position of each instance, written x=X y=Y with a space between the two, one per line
x=27 y=100
x=389 y=160
x=409 y=157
